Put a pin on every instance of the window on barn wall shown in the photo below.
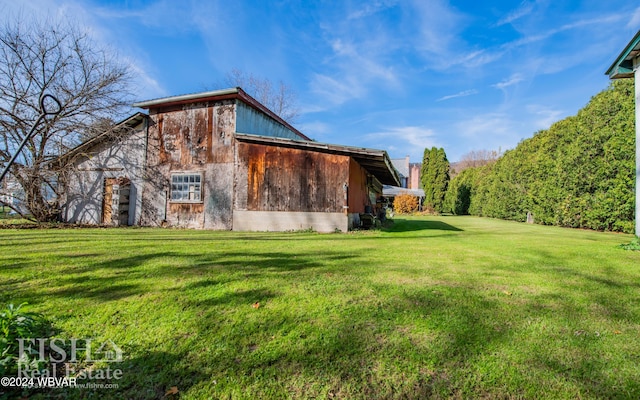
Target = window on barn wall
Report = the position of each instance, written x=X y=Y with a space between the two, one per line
x=186 y=187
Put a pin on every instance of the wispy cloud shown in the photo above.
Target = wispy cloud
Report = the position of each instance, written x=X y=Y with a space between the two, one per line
x=524 y=9
x=494 y=130
x=439 y=25
x=335 y=91
x=606 y=19
x=144 y=85
x=512 y=80
x=371 y=8
x=634 y=22
x=355 y=66
x=404 y=138
x=317 y=130
x=544 y=116
x=464 y=93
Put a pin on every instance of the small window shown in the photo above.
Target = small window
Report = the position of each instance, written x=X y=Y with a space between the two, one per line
x=186 y=188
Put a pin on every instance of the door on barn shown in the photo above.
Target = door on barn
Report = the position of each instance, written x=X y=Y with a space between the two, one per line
x=115 y=203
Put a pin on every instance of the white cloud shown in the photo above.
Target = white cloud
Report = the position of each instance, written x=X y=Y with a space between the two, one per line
x=144 y=85
x=166 y=16
x=103 y=33
x=602 y=20
x=333 y=90
x=512 y=80
x=524 y=9
x=371 y=8
x=634 y=22
x=353 y=69
x=439 y=25
x=404 y=140
x=464 y=93
x=495 y=131
x=544 y=116
x=317 y=130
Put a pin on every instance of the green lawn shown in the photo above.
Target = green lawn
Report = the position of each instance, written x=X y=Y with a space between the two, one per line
x=435 y=307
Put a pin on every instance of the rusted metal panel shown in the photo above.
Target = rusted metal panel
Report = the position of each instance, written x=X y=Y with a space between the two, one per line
x=364 y=188
x=284 y=179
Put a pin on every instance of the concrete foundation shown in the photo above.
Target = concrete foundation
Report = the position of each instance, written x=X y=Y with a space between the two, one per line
x=279 y=221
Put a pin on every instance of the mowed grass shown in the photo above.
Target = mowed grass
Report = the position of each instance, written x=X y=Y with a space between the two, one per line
x=433 y=307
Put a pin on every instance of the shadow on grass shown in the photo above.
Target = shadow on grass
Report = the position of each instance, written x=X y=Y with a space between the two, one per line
x=123 y=277
x=398 y=341
x=409 y=225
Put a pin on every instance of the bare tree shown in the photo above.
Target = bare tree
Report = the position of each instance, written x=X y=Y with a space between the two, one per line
x=280 y=99
x=474 y=158
x=59 y=59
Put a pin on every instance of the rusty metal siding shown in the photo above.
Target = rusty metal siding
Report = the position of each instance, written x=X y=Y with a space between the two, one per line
x=364 y=188
x=250 y=120
x=191 y=138
x=284 y=179
x=358 y=195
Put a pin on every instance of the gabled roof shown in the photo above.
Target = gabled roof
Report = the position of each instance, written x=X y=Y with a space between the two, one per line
x=623 y=65
x=121 y=127
x=216 y=95
x=376 y=162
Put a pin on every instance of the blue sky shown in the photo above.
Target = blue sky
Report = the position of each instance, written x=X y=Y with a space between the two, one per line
x=393 y=75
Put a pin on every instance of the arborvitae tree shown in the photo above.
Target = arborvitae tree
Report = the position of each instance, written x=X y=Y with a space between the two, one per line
x=424 y=168
x=435 y=178
x=578 y=173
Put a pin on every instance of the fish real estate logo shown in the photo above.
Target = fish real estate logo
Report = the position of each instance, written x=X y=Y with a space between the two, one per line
x=59 y=363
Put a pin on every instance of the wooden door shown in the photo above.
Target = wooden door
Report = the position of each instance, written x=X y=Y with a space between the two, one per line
x=123 y=204
x=107 y=201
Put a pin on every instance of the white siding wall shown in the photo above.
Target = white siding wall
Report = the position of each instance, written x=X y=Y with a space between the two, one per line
x=85 y=187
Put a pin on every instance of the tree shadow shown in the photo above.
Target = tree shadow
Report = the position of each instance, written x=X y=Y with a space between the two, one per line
x=409 y=225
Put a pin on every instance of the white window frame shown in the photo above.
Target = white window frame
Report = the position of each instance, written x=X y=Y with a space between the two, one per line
x=186 y=187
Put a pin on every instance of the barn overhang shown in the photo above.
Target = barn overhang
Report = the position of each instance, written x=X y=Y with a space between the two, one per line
x=623 y=66
x=375 y=162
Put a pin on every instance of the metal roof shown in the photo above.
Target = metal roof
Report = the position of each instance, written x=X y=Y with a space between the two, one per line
x=123 y=127
x=401 y=165
x=376 y=162
x=388 y=191
x=623 y=65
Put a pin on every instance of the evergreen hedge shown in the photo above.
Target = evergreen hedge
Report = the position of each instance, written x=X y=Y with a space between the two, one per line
x=579 y=173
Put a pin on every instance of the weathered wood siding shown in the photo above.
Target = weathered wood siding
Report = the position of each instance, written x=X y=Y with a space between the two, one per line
x=194 y=138
x=284 y=179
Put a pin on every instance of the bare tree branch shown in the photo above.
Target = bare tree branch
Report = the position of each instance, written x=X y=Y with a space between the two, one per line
x=59 y=59
x=281 y=99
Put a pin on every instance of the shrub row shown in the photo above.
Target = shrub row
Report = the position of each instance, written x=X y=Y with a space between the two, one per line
x=579 y=173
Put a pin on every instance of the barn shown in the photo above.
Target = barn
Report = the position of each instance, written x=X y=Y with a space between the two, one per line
x=221 y=160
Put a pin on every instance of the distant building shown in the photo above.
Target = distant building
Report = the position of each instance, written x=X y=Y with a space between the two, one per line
x=414 y=175
x=409 y=178
x=402 y=166
x=11 y=193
